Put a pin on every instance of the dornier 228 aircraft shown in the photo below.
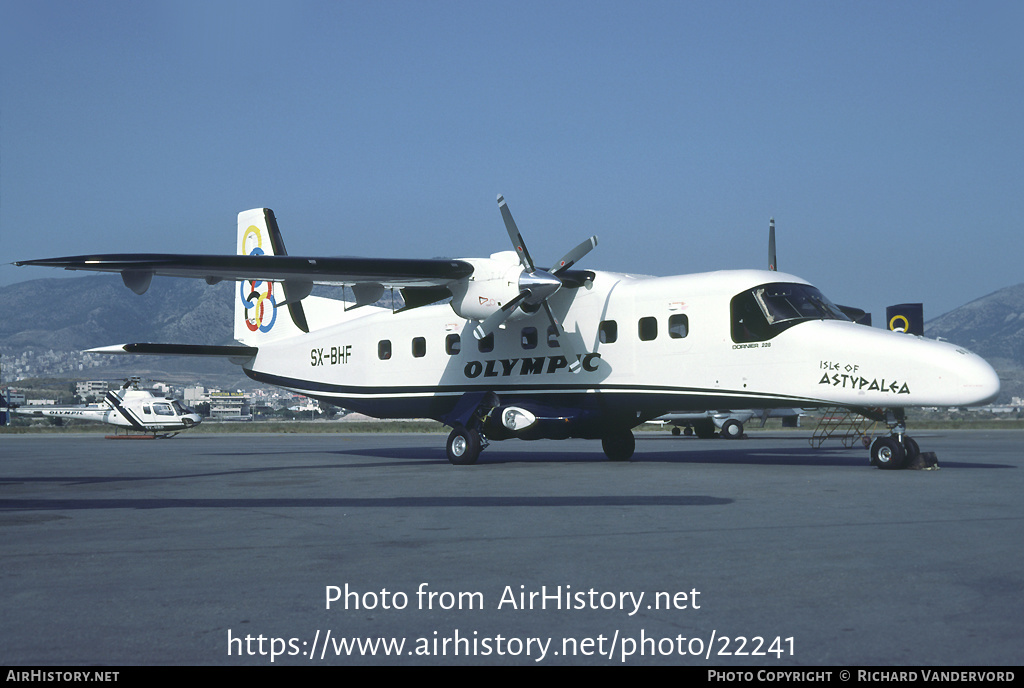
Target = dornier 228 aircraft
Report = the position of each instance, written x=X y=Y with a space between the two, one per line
x=551 y=353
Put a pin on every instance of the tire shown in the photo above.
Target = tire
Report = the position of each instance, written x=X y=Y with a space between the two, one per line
x=620 y=446
x=732 y=429
x=911 y=449
x=888 y=454
x=705 y=429
x=463 y=446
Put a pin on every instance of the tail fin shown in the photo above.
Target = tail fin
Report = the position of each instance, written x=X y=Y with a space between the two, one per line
x=259 y=313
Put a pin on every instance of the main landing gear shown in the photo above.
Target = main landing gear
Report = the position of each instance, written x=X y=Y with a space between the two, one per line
x=898 y=450
x=465 y=444
x=619 y=445
x=480 y=415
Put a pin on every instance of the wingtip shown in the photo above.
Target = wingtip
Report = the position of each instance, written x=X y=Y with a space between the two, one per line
x=112 y=349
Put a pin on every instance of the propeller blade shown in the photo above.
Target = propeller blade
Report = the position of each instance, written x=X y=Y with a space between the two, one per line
x=515 y=236
x=573 y=256
x=536 y=286
x=495 y=319
x=559 y=330
x=570 y=354
x=772 y=265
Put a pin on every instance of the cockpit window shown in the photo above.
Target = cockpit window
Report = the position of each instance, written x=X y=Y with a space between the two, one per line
x=764 y=311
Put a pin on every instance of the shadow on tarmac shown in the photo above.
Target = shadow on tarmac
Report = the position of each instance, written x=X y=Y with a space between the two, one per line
x=15 y=505
x=692 y=451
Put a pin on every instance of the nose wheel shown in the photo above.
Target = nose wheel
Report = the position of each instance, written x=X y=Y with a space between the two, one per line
x=887 y=453
x=898 y=450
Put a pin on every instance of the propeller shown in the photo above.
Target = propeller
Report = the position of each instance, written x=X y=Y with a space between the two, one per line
x=535 y=286
x=772 y=265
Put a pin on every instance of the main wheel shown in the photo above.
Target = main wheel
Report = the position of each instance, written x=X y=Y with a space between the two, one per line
x=731 y=429
x=705 y=429
x=887 y=453
x=463 y=446
x=619 y=446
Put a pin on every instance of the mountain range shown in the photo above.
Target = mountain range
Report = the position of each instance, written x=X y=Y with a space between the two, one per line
x=46 y=323
x=993 y=327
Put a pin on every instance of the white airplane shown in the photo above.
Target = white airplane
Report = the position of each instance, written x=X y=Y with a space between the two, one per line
x=728 y=423
x=533 y=353
x=130 y=409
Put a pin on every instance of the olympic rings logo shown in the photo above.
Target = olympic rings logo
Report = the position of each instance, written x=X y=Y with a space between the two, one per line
x=257 y=294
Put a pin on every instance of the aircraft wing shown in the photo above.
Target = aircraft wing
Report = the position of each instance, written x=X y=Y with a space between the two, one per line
x=389 y=272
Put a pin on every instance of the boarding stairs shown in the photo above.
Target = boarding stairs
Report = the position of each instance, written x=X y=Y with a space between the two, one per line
x=844 y=425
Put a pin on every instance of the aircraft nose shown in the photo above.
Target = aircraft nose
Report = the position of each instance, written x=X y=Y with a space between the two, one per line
x=979 y=380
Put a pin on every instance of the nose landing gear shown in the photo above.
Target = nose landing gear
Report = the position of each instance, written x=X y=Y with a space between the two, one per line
x=898 y=450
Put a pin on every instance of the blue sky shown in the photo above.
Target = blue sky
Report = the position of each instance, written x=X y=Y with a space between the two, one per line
x=886 y=138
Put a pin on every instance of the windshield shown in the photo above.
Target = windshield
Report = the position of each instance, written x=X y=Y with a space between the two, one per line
x=764 y=311
x=782 y=302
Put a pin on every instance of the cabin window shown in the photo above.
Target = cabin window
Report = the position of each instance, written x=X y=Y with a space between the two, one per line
x=647 y=328
x=419 y=347
x=452 y=344
x=608 y=331
x=529 y=338
x=553 y=337
x=163 y=409
x=384 y=349
x=486 y=345
x=145 y=409
x=678 y=326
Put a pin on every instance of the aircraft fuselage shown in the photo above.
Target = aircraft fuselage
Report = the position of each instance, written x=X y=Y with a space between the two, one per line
x=647 y=345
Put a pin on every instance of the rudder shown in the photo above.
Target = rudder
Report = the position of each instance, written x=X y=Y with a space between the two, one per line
x=259 y=317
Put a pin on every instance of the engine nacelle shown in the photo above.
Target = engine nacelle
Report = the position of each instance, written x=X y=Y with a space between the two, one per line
x=495 y=281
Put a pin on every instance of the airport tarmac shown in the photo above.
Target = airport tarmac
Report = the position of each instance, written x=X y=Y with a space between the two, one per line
x=223 y=550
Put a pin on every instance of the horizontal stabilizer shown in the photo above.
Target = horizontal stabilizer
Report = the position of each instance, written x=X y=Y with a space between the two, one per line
x=857 y=315
x=236 y=352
